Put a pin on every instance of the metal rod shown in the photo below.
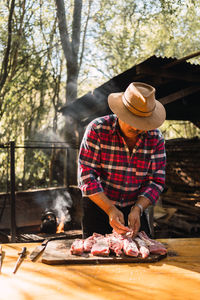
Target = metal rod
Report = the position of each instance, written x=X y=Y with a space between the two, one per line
x=40 y=147
x=12 y=192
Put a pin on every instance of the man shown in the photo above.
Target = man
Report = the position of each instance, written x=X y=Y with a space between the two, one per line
x=122 y=163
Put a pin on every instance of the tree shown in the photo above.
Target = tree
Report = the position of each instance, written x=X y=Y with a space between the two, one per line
x=7 y=53
x=45 y=64
x=140 y=29
x=31 y=67
x=73 y=47
x=71 y=44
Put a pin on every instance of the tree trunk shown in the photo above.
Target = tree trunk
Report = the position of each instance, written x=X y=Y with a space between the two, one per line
x=70 y=49
x=4 y=68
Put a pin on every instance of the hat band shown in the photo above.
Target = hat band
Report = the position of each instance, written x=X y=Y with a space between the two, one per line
x=135 y=110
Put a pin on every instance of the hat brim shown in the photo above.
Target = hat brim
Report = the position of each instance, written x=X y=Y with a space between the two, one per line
x=151 y=122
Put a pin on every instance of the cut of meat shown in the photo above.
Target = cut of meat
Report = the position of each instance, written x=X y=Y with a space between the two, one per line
x=101 y=247
x=130 y=247
x=77 y=247
x=154 y=246
x=90 y=241
x=115 y=243
x=97 y=235
x=157 y=249
x=143 y=248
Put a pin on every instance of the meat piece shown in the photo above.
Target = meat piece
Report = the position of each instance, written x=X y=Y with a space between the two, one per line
x=97 y=235
x=154 y=246
x=115 y=243
x=101 y=247
x=157 y=249
x=89 y=242
x=143 y=248
x=77 y=247
x=130 y=247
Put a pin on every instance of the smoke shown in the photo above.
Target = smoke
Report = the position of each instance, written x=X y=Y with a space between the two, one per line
x=60 y=206
x=47 y=135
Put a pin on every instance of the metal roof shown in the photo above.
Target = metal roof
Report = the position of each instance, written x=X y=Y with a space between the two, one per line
x=177 y=84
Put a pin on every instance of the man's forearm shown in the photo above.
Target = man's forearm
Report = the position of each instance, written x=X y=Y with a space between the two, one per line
x=145 y=202
x=102 y=201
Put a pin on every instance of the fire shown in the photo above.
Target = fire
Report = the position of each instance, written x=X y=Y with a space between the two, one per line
x=60 y=227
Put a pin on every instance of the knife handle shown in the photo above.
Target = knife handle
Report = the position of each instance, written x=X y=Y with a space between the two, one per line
x=45 y=242
x=23 y=252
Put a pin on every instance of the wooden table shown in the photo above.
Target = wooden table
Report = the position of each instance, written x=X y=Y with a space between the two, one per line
x=175 y=277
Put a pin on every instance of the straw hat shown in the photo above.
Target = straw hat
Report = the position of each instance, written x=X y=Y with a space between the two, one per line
x=138 y=107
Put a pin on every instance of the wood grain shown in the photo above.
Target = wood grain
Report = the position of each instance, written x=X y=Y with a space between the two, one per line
x=176 y=277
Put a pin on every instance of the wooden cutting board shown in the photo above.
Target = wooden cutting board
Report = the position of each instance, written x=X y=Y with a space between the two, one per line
x=58 y=252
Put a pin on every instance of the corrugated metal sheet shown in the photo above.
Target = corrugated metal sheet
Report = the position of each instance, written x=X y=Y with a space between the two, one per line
x=167 y=75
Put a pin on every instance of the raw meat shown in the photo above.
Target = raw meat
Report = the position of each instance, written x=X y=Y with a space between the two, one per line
x=77 y=248
x=130 y=247
x=143 y=249
x=115 y=243
x=90 y=241
x=101 y=247
x=154 y=246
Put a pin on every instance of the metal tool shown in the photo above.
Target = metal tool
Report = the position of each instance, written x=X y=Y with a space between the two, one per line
x=35 y=253
x=0 y=258
x=22 y=254
x=39 y=249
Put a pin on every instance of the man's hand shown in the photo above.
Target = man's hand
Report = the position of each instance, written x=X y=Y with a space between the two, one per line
x=116 y=220
x=134 y=220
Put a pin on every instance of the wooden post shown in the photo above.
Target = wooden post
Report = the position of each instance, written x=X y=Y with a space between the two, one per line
x=12 y=192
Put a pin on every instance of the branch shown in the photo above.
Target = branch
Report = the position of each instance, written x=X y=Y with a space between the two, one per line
x=76 y=27
x=62 y=25
x=84 y=33
x=17 y=41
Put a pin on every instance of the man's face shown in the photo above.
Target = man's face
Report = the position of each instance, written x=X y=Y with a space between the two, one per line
x=128 y=130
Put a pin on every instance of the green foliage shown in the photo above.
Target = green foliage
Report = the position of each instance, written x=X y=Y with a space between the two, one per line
x=29 y=98
x=120 y=34
x=179 y=129
x=131 y=31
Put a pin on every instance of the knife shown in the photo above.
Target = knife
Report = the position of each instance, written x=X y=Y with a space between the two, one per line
x=35 y=253
x=39 y=249
x=0 y=258
x=22 y=254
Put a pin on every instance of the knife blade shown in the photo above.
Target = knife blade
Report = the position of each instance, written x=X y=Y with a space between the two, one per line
x=35 y=253
x=22 y=254
x=39 y=249
x=0 y=258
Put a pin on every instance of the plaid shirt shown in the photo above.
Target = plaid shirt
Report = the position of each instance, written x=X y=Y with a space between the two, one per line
x=105 y=164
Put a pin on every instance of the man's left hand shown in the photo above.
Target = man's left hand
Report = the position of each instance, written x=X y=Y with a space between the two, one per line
x=134 y=220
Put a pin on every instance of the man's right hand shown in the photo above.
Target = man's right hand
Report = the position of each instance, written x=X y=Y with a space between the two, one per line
x=116 y=220
x=116 y=217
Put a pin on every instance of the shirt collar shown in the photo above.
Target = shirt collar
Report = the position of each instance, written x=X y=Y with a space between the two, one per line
x=114 y=127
